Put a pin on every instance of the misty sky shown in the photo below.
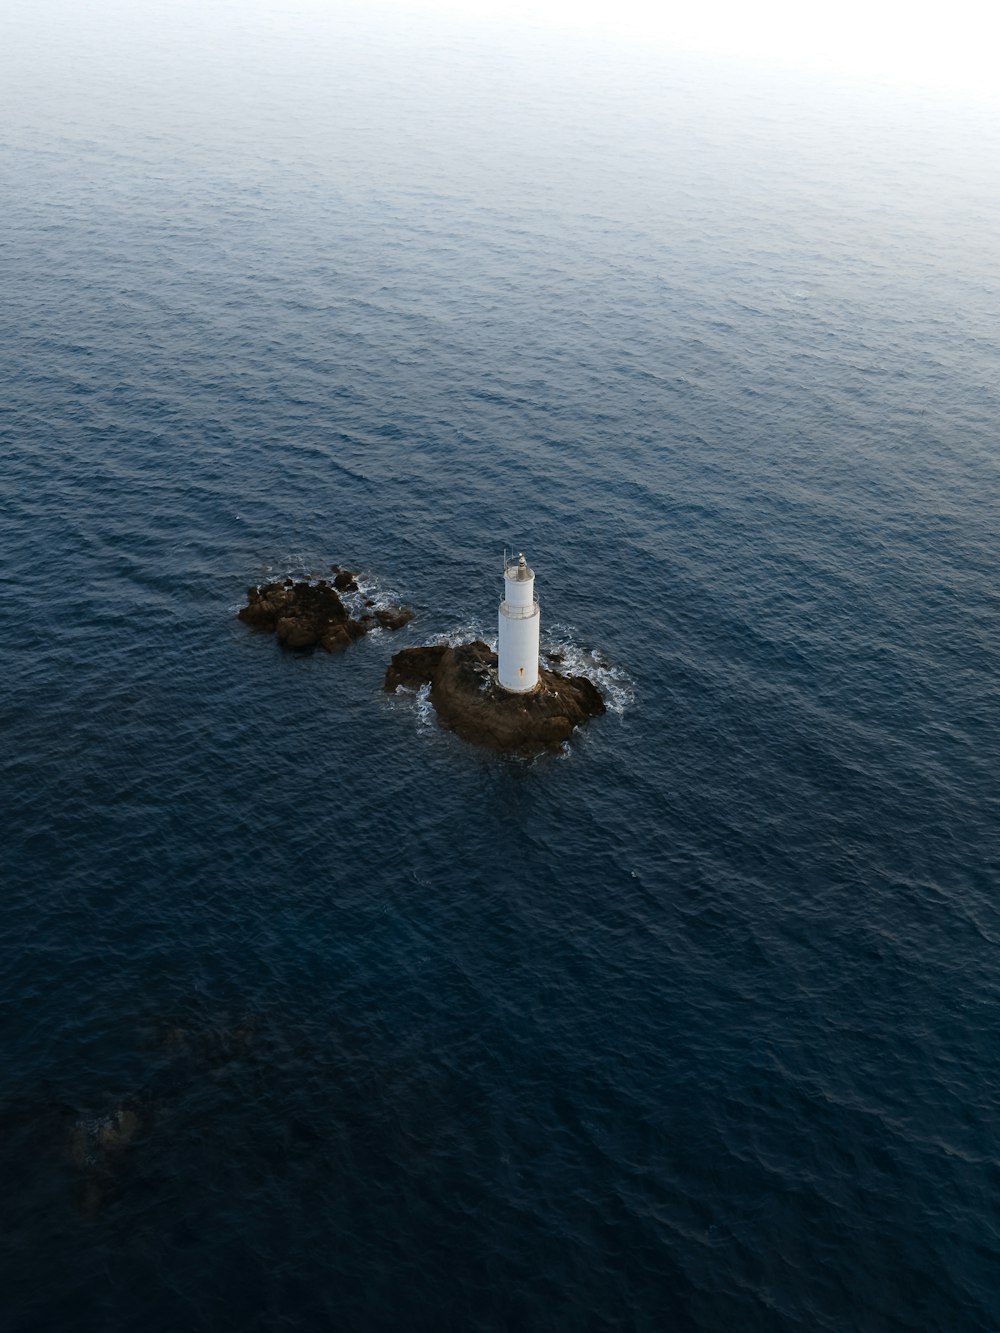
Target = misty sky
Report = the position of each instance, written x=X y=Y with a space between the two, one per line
x=947 y=47
x=951 y=46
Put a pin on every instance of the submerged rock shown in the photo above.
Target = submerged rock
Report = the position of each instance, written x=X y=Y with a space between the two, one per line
x=95 y=1140
x=311 y=615
x=209 y=1048
x=97 y=1146
x=469 y=700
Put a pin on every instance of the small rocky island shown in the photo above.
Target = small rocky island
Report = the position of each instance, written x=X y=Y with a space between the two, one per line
x=505 y=700
x=312 y=615
x=470 y=701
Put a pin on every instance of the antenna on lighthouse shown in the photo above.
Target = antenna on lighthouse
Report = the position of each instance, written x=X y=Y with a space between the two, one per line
x=520 y=621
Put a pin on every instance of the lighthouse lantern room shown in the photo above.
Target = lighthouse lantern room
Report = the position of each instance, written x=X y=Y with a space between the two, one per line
x=517 y=648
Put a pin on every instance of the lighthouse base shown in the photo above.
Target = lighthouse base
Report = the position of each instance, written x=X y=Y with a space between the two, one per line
x=470 y=701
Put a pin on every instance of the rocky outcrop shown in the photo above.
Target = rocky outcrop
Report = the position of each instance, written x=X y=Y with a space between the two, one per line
x=414 y=667
x=345 y=580
x=469 y=701
x=392 y=617
x=311 y=615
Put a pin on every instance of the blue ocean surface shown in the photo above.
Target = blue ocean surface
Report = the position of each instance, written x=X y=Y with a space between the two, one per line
x=315 y=1017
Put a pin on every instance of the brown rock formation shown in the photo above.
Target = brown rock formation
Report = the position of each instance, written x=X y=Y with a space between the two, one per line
x=310 y=615
x=469 y=701
x=394 y=617
x=414 y=667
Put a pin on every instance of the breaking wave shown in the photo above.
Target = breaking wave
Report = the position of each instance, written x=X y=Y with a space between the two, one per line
x=561 y=650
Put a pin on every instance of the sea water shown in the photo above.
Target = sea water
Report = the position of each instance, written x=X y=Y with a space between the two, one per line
x=316 y=1017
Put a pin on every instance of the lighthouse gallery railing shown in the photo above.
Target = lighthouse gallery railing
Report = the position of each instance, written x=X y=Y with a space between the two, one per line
x=519 y=612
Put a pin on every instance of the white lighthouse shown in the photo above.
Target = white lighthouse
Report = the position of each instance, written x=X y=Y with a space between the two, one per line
x=517 y=650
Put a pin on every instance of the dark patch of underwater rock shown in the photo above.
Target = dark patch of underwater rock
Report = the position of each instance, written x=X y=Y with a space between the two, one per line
x=469 y=700
x=209 y=1048
x=309 y=615
x=97 y=1146
x=96 y=1140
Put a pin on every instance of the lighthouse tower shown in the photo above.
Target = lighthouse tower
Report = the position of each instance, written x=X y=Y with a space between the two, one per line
x=517 y=650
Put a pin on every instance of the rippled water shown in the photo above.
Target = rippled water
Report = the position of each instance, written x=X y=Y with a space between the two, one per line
x=316 y=1018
